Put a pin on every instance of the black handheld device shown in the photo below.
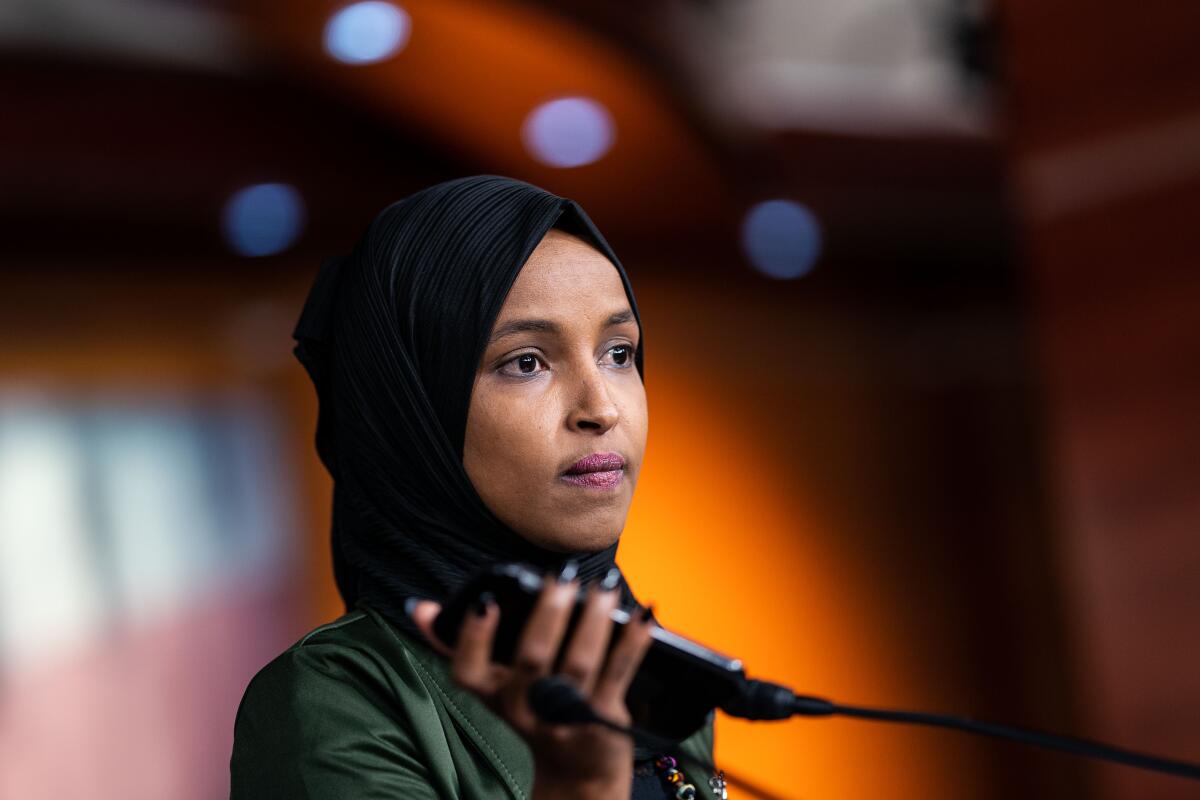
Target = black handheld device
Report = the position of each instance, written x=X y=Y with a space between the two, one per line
x=678 y=684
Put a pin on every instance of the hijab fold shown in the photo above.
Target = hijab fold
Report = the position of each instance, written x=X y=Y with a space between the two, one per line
x=392 y=335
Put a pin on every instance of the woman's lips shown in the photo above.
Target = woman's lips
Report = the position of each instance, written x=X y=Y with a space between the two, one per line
x=604 y=479
x=597 y=471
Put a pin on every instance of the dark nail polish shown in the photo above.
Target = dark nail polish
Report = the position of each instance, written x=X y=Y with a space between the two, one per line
x=569 y=571
x=611 y=580
x=410 y=605
x=483 y=603
x=648 y=613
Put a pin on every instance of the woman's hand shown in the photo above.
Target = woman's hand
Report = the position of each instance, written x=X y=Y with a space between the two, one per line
x=578 y=761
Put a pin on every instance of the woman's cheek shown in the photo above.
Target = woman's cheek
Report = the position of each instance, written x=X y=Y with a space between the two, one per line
x=522 y=427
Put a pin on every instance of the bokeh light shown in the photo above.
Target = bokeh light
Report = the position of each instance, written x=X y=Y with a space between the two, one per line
x=263 y=219
x=782 y=238
x=367 y=32
x=568 y=132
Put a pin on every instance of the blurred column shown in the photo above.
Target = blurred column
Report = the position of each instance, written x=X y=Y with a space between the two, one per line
x=1105 y=114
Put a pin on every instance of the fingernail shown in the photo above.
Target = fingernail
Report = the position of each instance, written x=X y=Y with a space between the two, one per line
x=611 y=580
x=483 y=603
x=648 y=613
x=410 y=604
x=569 y=571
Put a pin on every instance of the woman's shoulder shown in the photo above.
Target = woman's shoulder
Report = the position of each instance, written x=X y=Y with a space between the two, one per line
x=360 y=629
x=357 y=653
x=325 y=718
x=358 y=697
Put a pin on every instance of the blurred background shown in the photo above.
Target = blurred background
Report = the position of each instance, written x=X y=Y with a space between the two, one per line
x=920 y=273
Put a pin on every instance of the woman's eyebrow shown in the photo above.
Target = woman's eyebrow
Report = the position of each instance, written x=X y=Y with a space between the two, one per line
x=549 y=326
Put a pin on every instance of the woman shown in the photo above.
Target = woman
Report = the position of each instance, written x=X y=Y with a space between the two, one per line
x=478 y=362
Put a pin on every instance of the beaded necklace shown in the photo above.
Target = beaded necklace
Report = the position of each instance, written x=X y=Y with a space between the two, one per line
x=668 y=770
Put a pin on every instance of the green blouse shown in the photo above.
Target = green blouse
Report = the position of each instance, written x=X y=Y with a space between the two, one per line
x=357 y=709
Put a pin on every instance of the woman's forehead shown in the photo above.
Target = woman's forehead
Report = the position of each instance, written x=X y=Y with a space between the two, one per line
x=568 y=274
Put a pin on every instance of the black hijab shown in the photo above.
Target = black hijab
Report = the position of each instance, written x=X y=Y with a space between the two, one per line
x=392 y=335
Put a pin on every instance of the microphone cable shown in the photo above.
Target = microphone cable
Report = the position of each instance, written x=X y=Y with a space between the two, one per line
x=760 y=700
x=555 y=699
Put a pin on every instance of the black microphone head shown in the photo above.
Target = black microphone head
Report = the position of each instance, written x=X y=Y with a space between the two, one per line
x=759 y=700
x=555 y=699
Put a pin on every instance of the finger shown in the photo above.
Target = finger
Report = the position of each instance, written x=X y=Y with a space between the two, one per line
x=471 y=665
x=584 y=656
x=540 y=640
x=423 y=613
x=623 y=663
x=537 y=647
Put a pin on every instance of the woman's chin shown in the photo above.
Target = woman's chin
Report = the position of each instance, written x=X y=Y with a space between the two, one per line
x=572 y=538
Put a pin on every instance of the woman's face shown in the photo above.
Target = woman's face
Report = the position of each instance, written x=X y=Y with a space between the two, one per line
x=556 y=386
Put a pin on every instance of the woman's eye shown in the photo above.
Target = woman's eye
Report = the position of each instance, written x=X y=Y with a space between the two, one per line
x=622 y=355
x=526 y=364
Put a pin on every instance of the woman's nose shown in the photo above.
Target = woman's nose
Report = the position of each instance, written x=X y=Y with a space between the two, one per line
x=593 y=410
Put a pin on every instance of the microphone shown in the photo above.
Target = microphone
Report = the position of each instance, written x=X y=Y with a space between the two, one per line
x=554 y=699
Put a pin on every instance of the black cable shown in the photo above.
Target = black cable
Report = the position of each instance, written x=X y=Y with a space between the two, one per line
x=762 y=700
x=1068 y=744
x=556 y=700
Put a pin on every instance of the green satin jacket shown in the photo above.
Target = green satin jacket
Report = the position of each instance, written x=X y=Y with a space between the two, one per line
x=356 y=709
